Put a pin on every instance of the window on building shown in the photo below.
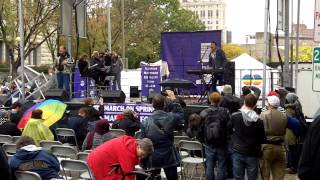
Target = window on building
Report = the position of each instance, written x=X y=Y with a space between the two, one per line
x=217 y=27
x=203 y=14
x=217 y=22
x=217 y=13
x=210 y=13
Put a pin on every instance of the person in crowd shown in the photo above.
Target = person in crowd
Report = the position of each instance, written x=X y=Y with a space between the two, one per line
x=83 y=65
x=36 y=130
x=52 y=79
x=16 y=112
x=97 y=70
x=294 y=109
x=5 y=171
x=214 y=133
x=273 y=152
x=80 y=124
x=232 y=103
x=100 y=135
x=63 y=69
x=117 y=67
x=279 y=108
x=6 y=126
x=194 y=123
x=217 y=60
x=309 y=164
x=127 y=121
x=159 y=128
x=94 y=114
x=124 y=150
x=248 y=135
x=29 y=157
x=248 y=90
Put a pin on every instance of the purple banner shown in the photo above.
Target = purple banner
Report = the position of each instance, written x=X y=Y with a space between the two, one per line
x=183 y=51
x=80 y=85
x=150 y=79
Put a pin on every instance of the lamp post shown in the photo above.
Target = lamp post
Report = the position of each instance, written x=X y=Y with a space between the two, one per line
x=21 y=34
x=109 y=23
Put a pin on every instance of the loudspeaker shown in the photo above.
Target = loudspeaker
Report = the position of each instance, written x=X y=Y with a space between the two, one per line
x=58 y=94
x=229 y=75
x=113 y=96
x=134 y=92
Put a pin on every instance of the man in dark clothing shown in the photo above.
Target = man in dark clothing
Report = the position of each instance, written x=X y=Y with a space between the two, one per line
x=16 y=112
x=31 y=158
x=215 y=122
x=63 y=68
x=309 y=165
x=128 y=122
x=248 y=135
x=248 y=90
x=5 y=172
x=159 y=128
x=7 y=127
x=229 y=101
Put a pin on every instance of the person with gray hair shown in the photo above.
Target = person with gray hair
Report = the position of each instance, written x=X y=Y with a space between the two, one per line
x=125 y=151
x=229 y=101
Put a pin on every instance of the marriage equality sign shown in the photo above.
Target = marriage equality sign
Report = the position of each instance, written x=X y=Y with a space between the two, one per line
x=150 y=79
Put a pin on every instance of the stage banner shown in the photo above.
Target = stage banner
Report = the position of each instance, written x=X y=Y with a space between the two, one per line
x=185 y=50
x=150 y=79
x=112 y=110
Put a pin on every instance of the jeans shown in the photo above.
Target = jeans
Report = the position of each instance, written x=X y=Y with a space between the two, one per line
x=242 y=163
x=212 y=156
x=293 y=157
x=63 y=81
x=171 y=172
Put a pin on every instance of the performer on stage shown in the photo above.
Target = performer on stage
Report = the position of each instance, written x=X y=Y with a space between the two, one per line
x=63 y=69
x=217 y=60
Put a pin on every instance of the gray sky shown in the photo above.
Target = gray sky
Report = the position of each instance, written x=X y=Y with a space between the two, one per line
x=247 y=16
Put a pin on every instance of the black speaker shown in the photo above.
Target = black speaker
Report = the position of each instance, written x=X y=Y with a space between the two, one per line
x=58 y=94
x=134 y=92
x=229 y=75
x=113 y=96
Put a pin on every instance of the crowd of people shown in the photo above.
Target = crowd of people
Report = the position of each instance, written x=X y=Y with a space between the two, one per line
x=239 y=140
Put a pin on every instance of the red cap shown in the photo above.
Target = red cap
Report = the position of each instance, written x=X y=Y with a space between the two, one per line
x=273 y=93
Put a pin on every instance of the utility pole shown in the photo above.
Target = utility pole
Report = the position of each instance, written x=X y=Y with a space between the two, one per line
x=21 y=34
x=122 y=29
x=286 y=71
x=297 y=45
x=109 y=23
x=266 y=50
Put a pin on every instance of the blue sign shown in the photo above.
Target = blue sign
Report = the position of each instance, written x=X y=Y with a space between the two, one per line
x=80 y=85
x=150 y=77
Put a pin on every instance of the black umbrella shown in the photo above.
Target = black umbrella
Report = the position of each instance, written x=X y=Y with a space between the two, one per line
x=178 y=83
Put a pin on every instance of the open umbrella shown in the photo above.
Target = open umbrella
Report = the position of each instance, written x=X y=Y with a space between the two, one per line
x=53 y=111
x=178 y=83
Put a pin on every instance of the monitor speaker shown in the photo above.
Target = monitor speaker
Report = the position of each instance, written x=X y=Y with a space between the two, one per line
x=229 y=75
x=58 y=94
x=113 y=96
x=134 y=92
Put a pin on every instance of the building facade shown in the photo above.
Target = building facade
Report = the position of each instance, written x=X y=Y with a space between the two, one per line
x=211 y=12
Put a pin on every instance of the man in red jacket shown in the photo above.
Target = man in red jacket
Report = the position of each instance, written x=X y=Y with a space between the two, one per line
x=124 y=150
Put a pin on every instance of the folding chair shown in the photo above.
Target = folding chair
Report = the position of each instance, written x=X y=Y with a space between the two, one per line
x=176 y=141
x=15 y=138
x=117 y=132
x=137 y=135
x=10 y=148
x=66 y=132
x=76 y=166
x=195 y=161
x=27 y=175
x=5 y=139
x=46 y=144
x=64 y=151
x=82 y=156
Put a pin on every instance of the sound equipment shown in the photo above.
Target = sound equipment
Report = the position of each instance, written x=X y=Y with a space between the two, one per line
x=204 y=71
x=113 y=96
x=134 y=92
x=229 y=75
x=178 y=83
x=58 y=94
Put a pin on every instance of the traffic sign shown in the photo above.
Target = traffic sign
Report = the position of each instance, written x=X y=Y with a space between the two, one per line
x=316 y=69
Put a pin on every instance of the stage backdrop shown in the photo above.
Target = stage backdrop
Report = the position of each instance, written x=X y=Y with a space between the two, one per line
x=184 y=50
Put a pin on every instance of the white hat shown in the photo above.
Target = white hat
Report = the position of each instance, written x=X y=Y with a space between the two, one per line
x=273 y=101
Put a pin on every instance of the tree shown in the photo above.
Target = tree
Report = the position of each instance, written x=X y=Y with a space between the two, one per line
x=232 y=50
x=38 y=25
x=305 y=53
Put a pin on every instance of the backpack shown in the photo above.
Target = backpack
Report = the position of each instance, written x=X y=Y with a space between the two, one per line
x=215 y=127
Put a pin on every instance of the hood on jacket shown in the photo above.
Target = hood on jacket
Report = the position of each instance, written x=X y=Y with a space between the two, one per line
x=249 y=116
x=130 y=143
x=28 y=152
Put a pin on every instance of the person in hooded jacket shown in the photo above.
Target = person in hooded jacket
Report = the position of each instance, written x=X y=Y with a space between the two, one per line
x=100 y=135
x=128 y=122
x=159 y=128
x=29 y=157
x=247 y=136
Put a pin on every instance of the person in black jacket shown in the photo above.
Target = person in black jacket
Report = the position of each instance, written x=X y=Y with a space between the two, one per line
x=229 y=101
x=127 y=121
x=7 y=127
x=16 y=112
x=248 y=135
x=5 y=171
x=93 y=114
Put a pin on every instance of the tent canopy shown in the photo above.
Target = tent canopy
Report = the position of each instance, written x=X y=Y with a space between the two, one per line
x=245 y=61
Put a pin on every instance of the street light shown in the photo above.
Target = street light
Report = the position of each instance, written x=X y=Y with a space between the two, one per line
x=21 y=33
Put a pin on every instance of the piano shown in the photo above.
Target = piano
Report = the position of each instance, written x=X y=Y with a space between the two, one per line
x=204 y=71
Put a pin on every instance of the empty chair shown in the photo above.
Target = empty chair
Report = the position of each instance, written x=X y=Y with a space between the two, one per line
x=5 y=139
x=117 y=132
x=46 y=144
x=10 y=148
x=82 y=156
x=64 y=151
x=15 y=138
x=70 y=167
x=27 y=175
x=176 y=141
x=66 y=132
x=195 y=161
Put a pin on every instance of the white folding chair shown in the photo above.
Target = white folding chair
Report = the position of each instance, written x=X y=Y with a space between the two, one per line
x=46 y=144
x=82 y=156
x=5 y=139
x=15 y=138
x=76 y=166
x=191 y=146
x=176 y=141
x=10 y=148
x=117 y=132
x=27 y=175
x=66 y=132
x=64 y=151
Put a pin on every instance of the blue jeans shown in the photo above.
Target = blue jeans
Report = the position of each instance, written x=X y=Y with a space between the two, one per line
x=242 y=163
x=63 y=81
x=212 y=156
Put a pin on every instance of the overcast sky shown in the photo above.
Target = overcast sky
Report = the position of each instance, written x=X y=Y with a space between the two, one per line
x=247 y=16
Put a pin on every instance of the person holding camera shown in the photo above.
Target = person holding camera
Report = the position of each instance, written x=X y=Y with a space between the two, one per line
x=63 y=69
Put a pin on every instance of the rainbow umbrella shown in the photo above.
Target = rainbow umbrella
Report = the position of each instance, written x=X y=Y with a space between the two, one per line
x=53 y=111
